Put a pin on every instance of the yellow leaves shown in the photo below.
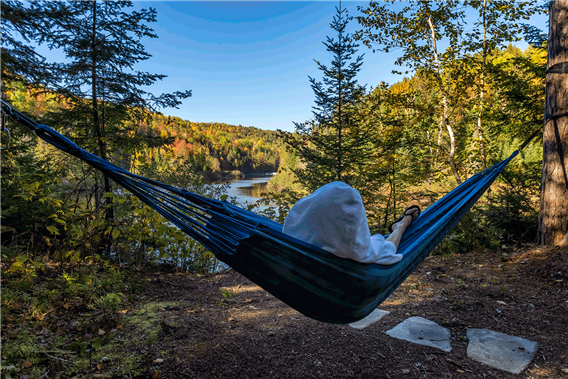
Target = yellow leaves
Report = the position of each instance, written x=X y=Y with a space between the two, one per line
x=115 y=233
x=53 y=230
x=156 y=217
x=17 y=266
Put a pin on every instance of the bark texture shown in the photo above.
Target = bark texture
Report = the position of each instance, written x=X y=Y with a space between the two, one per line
x=553 y=215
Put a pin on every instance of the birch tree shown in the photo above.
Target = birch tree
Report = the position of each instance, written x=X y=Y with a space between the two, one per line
x=416 y=30
x=499 y=22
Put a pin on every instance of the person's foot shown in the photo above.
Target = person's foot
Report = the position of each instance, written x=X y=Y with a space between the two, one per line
x=410 y=214
x=402 y=224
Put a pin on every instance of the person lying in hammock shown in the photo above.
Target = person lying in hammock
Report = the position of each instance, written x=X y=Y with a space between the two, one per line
x=333 y=218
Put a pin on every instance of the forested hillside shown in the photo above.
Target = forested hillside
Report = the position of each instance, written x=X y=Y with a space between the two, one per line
x=218 y=146
x=213 y=147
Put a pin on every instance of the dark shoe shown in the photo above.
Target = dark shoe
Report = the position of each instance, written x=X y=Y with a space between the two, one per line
x=413 y=211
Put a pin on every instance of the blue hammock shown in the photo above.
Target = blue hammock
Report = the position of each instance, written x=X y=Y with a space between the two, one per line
x=314 y=282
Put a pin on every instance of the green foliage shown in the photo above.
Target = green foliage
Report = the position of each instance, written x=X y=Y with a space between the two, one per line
x=509 y=215
x=409 y=29
x=285 y=179
x=51 y=210
x=81 y=299
x=473 y=232
x=226 y=296
x=514 y=207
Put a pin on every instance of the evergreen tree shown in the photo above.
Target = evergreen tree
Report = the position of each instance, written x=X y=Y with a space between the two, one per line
x=553 y=215
x=101 y=41
x=331 y=146
x=21 y=25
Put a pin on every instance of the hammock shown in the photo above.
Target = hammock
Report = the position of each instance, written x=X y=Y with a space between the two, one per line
x=316 y=283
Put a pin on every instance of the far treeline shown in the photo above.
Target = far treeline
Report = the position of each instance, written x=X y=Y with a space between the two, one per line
x=216 y=150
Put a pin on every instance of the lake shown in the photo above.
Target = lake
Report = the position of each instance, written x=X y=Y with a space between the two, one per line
x=248 y=190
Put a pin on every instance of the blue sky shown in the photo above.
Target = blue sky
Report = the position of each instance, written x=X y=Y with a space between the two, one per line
x=248 y=63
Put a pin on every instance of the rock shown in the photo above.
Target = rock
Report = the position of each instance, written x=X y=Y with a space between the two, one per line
x=422 y=332
x=499 y=350
x=374 y=316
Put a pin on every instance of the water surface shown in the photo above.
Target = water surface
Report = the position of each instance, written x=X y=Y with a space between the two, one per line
x=248 y=190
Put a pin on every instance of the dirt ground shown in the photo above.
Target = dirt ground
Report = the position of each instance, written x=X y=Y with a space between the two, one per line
x=224 y=326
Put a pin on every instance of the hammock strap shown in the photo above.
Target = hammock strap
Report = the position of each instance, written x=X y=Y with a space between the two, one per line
x=5 y=130
x=535 y=133
x=559 y=142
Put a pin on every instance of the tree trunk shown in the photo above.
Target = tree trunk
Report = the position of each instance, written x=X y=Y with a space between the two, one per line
x=109 y=214
x=482 y=91
x=446 y=112
x=553 y=214
x=340 y=100
x=105 y=242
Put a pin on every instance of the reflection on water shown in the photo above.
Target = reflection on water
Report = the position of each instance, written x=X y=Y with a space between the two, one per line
x=253 y=191
x=247 y=191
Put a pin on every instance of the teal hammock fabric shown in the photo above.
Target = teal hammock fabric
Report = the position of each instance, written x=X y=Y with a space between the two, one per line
x=309 y=279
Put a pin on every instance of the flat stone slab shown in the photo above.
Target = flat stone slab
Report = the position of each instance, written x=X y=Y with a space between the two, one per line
x=499 y=350
x=422 y=332
x=374 y=316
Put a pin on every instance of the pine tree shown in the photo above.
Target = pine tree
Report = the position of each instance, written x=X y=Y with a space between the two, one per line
x=331 y=146
x=21 y=25
x=101 y=41
x=103 y=92
x=553 y=215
